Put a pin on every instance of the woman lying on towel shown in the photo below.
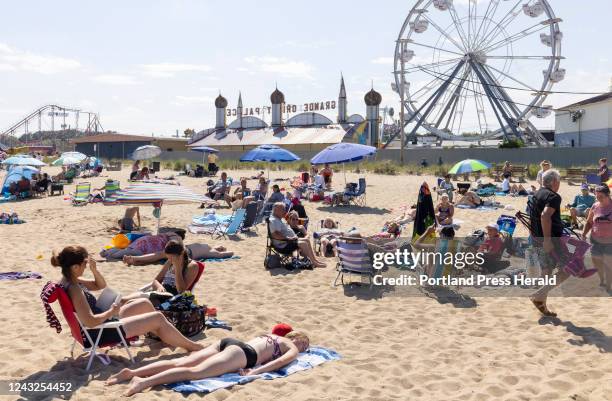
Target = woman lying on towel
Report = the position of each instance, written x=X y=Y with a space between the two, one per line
x=268 y=352
x=197 y=251
x=137 y=317
x=167 y=281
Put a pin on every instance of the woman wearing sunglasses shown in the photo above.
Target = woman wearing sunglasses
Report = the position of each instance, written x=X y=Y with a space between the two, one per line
x=599 y=223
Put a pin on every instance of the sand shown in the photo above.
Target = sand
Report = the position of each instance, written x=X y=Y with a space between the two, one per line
x=393 y=348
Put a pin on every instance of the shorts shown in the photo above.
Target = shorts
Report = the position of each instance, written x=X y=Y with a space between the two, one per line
x=249 y=352
x=170 y=288
x=581 y=212
x=133 y=175
x=109 y=336
x=127 y=224
x=600 y=249
x=290 y=247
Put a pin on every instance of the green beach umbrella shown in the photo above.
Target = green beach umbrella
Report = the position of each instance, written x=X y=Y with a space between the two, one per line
x=469 y=166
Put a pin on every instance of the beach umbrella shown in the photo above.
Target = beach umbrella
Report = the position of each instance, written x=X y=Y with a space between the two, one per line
x=204 y=150
x=15 y=175
x=67 y=161
x=156 y=195
x=146 y=152
x=75 y=155
x=23 y=160
x=270 y=154
x=469 y=166
x=343 y=153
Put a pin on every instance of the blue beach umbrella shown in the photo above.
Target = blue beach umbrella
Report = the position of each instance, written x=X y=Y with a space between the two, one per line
x=270 y=154
x=343 y=153
x=21 y=160
x=204 y=150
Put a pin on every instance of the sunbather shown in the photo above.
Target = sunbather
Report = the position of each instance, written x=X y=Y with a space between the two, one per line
x=470 y=199
x=404 y=218
x=239 y=194
x=197 y=251
x=167 y=280
x=518 y=190
x=270 y=352
x=329 y=235
x=143 y=174
x=141 y=246
x=284 y=237
x=126 y=224
x=137 y=317
x=444 y=211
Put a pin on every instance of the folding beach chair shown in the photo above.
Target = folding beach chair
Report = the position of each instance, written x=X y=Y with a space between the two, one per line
x=317 y=237
x=110 y=189
x=78 y=330
x=353 y=258
x=81 y=196
x=231 y=228
x=250 y=217
x=358 y=198
x=283 y=255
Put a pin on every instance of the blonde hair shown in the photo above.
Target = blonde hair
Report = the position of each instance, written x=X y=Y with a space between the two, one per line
x=329 y=220
x=298 y=335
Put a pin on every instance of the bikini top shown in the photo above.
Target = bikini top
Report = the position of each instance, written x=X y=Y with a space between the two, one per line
x=274 y=341
x=91 y=299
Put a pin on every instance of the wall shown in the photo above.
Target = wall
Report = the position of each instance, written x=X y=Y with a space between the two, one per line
x=561 y=157
x=110 y=150
x=591 y=130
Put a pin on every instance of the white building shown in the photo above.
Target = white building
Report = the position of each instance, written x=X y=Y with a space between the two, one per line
x=585 y=124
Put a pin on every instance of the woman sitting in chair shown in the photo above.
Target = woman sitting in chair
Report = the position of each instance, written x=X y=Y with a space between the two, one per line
x=167 y=280
x=444 y=211
x=294 y=221
x=270 y=352
x=137 y=317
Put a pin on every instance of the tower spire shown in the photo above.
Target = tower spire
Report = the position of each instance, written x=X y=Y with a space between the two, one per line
x=342 y=103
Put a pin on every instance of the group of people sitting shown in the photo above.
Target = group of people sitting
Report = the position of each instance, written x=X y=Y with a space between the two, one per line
x=137 y=316
x=25 y=187
x=139 y=174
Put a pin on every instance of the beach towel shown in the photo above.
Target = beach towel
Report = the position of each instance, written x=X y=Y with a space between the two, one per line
x=206 y=224
x=209 y=260
x=425 y=214
x=19 y=275
x=218 y=324
x=479 y=208
x=306 y=360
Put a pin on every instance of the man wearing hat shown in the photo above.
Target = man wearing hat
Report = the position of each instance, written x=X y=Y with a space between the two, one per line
x=581 y=206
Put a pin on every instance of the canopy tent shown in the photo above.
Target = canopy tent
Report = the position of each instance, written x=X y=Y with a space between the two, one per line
x=469 y=166
x=15 y=174
x=22 y=160
x=146 y=152
x=156 y=195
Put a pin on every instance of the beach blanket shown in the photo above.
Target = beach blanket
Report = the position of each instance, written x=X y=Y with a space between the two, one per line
x=19 y=275
x=217 y=324
x=306 y=360
x=482 y=208
x=206 y=224
x=210 y=260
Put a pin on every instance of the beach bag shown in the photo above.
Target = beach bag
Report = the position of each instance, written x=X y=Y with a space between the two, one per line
x=273 y=261
x=475 y=239
x=507 y=224
x=185 y=314
x=299 y=264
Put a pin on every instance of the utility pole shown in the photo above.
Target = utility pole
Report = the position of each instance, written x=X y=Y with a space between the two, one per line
x=402 y=86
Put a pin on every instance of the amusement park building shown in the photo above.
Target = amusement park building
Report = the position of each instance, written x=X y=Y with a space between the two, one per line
x=306 y=131
x=119 y=146
x=585 y=124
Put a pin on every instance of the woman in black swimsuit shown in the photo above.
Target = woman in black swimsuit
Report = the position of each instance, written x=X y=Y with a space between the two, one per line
x=137 y=317
x=229 y=355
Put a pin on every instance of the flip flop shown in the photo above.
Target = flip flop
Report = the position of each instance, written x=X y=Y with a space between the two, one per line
x=541 y=306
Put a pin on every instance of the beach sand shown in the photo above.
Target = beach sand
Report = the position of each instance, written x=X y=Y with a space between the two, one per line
x=393 y=348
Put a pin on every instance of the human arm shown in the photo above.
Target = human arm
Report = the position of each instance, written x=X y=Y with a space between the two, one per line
x=546 y=222
x=84 y=312
x=289 y=356
x=186 y=279
x=138 y=215
x=160 y=276
x=98 y=283
x=588 y=225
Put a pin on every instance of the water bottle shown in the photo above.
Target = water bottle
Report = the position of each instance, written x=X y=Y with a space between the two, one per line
x=532 y=264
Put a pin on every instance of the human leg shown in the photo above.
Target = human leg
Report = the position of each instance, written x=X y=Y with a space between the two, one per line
x=143 y=259
x=306 y=249
x=229 y=360
x=156 y=323
x=136 y=307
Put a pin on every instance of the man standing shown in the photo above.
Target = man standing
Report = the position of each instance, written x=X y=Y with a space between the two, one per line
x=547 y=229
x=604 y=171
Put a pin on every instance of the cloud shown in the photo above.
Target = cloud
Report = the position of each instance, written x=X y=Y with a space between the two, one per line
x=283 y=66
x=17 y=60
x=168 y=70
x=382 y=60
x=116 y=79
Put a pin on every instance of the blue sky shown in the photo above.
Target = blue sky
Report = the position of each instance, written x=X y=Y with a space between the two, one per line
x=156 y=66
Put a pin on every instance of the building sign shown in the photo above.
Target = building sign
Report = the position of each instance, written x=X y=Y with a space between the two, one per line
x=57 y=114
x=285 y=108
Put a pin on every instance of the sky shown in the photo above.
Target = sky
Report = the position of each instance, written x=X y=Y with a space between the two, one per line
x=154 y=67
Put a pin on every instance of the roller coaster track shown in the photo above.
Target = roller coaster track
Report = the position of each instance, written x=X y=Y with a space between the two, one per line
x=34 y=119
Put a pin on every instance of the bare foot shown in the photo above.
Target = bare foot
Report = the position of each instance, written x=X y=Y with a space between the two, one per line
x=221 y=248
x=123 y=375
x=136 y=386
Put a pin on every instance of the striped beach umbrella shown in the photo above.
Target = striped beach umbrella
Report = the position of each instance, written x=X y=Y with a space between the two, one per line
x=156 y=195
x=146 y=152
x=469 y=166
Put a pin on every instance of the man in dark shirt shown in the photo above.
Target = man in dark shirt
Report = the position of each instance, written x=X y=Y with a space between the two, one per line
x=604 y=171
x=547 y=228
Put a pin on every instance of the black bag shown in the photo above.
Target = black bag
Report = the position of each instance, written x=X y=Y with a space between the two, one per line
x=273 y=261
x=299 y=264
x=184 y=314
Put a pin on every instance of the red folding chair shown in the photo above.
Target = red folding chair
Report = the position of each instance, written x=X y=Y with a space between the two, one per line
x=79 y=332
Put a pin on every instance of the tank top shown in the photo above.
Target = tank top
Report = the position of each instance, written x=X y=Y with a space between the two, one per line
x=602 y=221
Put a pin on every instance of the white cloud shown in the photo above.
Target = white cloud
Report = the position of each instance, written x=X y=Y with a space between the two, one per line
x=282 y=66
x=383 y=60
x=17 y=60
x=168 y=70
x=116 y=79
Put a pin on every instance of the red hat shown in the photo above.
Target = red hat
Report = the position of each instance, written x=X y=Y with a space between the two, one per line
x=282 y=329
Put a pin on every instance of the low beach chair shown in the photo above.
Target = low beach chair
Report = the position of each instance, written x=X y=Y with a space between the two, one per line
x=231 y=228
x=78 y=330
x=358 y=198
x=250 y=217
x=353 y=258
x=317 y=237
x=271 y=250
x=81 y=195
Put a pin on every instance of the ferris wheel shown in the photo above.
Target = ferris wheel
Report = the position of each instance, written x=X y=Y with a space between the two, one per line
x=477 y=69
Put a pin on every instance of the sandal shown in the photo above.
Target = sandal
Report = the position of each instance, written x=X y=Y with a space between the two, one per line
x=541 y=306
